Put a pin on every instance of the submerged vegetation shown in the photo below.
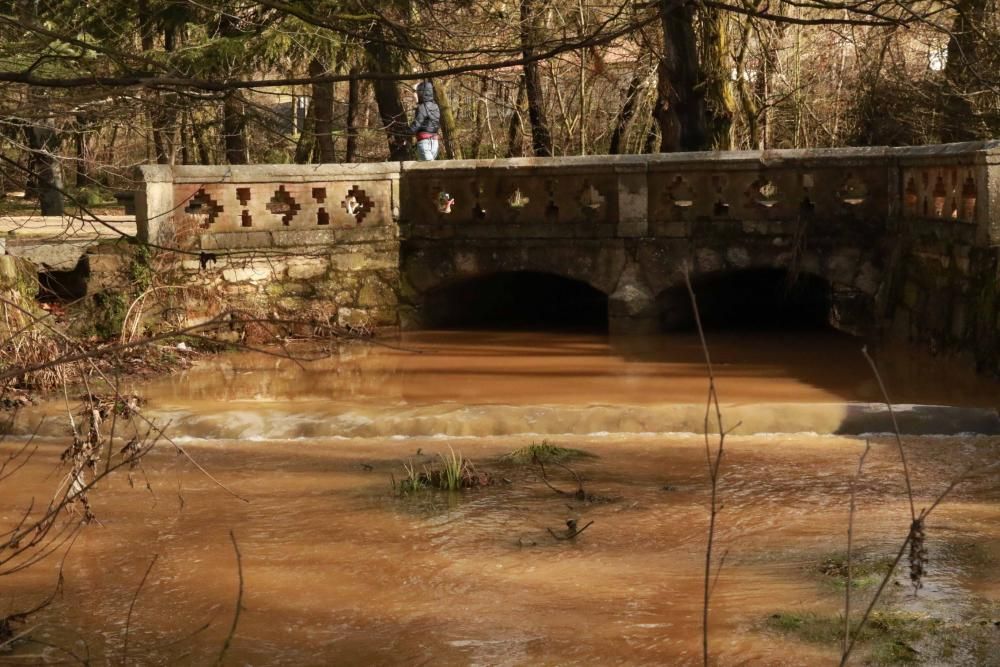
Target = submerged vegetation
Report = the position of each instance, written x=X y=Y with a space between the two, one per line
x=543 y=452
x=452 y=473
x=893 y=637
x=867 y=570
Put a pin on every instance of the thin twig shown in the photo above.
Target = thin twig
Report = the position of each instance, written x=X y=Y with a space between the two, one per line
x=850 y=540
x=239 y=600
x=128 y=618
x=161 y=433
x=895 y=430
x=713 y=464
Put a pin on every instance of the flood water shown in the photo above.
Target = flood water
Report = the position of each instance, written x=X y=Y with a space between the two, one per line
x=337 y=568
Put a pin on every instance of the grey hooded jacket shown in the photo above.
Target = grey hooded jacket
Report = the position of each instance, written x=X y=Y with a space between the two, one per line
x=428 y=116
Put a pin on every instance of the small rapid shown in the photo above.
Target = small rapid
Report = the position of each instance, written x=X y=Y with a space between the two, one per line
x=488 y=384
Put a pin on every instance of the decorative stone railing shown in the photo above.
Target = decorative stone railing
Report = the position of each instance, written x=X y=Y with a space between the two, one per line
x=596 y=197
x=668 y=195
x=260 y=206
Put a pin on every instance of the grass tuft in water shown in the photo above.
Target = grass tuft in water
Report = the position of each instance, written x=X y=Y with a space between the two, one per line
x=544 y=452
x=453 y=466
x=453 y=474
x=412 y=483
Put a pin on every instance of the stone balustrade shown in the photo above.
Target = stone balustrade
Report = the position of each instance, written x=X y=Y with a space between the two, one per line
x=231 y=207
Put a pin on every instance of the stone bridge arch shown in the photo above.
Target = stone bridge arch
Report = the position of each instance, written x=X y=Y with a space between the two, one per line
x=854 y=277
x=750 y=299
x=637 y=275
x=427 y=268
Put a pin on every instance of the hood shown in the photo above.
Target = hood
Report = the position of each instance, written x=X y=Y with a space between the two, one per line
x=425 y=91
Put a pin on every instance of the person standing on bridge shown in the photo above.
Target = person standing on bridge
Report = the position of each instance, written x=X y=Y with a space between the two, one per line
x=426 y=121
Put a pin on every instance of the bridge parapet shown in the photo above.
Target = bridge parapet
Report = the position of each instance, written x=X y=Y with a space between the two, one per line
x=667 y=195
x=265 y=206
x=590 y=197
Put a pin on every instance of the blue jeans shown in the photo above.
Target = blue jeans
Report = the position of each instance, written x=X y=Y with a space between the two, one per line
x=427 y=149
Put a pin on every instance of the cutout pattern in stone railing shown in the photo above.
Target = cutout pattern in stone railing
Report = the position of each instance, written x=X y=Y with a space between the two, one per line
x=940 y=193
x=357 y=203
x=853 y=190
x=283 y=204
x=202 y=204
x=764 y=192
x=681 y=193
x=269 y=206
x=591 y=199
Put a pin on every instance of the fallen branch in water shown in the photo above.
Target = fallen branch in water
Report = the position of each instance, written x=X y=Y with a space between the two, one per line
x=571 y=530
x=8 y=622
x=580 y=493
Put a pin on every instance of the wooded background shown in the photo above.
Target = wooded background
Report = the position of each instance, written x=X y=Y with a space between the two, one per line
x=91 y=89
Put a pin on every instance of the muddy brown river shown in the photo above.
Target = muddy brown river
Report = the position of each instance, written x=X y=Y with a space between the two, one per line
x=339 y=568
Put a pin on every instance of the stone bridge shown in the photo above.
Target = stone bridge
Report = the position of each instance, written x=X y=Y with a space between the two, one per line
x=901 y=240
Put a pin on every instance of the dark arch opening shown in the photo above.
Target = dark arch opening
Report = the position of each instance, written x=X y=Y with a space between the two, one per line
x=71 y=285
x=523 y=300
x=757 y=299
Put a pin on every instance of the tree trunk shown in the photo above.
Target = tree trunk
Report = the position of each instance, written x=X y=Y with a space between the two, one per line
x=769 y=64
x=680 y=104
x=516 y=122
x=477 y=140
x=83 y=150
x=385 y=58
x=307 y=139
x=159 y=141
x=43 y=139
x=720 y=107
x=450 y=139
x=157 y=105
x=962 y=71
x=322 y=105
x=353 y=100
x=234 y=120
x=541 y=138
x=185 y=138
x=234 y=129
x=625 y=115
x=748 y=103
